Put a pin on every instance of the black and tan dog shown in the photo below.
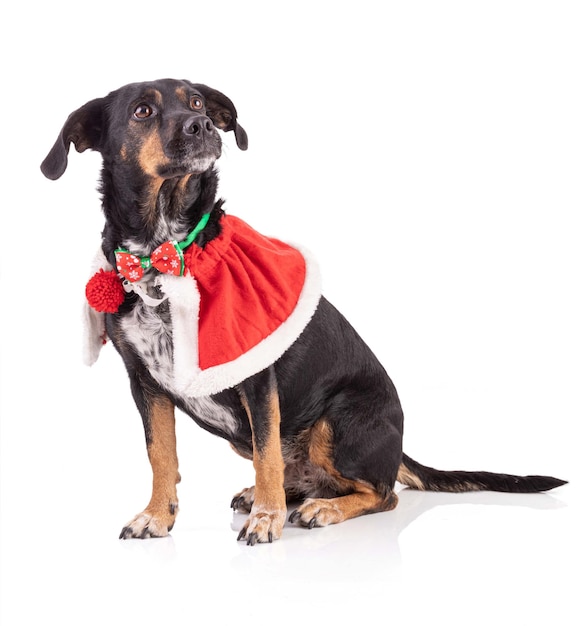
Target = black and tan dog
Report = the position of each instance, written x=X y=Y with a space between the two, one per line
x=322 y=423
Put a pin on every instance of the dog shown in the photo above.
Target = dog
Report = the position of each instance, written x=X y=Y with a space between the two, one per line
x=312 y=407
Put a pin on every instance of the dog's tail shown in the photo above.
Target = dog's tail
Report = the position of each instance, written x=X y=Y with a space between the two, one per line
x=417 y=476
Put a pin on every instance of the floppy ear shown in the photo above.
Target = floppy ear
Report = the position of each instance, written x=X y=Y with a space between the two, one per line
x=83 y=128
x=223 y=113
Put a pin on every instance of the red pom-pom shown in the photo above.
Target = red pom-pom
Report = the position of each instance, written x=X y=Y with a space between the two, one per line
x=104 y=292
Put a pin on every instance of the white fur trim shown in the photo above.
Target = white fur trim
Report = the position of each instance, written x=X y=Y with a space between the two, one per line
x=184 y=299
x=94 y=323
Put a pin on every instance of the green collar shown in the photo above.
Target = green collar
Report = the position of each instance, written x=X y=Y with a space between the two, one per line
x=191 y=236
x=135 y=265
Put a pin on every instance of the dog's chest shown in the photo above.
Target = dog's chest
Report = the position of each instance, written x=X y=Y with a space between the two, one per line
x=149 y=331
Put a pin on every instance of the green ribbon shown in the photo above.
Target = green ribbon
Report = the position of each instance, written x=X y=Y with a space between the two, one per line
x=145 y=261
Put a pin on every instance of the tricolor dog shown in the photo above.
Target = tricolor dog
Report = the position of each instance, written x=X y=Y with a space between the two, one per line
x=230 y=326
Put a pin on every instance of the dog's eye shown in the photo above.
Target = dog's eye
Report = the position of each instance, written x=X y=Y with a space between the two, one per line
x=142 y=111
x=196 y=103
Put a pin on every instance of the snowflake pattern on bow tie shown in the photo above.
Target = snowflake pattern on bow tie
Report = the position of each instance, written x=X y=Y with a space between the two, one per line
x=167 y=259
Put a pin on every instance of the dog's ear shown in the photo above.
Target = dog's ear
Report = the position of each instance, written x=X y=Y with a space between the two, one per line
x=83 y=128
x=223 y=113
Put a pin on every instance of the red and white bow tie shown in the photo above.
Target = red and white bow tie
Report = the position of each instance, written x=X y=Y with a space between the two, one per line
x=167 y=258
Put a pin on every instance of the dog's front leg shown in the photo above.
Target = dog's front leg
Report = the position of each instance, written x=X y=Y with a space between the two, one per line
x=158 y=414
x=259 y=395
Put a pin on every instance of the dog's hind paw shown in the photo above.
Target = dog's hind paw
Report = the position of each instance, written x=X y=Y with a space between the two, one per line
x=316 y=512
x=243 y=500
x=146 y=525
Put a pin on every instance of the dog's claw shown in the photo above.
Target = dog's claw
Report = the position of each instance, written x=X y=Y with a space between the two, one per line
x=237 y=502
x=243 y=500
x=294 y=517
x=252 y=538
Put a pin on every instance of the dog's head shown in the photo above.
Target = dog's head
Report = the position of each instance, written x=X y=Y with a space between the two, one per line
x=166 y=128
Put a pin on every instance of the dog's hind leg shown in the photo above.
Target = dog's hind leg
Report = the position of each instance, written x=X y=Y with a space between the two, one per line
x=158 y=517
x=359 y=487
x=324 y=511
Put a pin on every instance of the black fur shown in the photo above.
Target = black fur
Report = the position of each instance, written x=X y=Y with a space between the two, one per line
x=329 y=377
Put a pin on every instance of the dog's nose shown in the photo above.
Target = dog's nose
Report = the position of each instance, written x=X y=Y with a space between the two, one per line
x=198 y=125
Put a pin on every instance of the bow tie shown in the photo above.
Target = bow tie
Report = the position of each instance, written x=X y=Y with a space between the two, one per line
x=167 y=258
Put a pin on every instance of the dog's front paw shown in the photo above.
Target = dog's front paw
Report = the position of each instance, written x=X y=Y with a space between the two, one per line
x=243 y=500
x=146 y=525
x=263 y=525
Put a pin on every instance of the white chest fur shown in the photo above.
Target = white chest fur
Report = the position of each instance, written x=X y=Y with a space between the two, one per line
x=150 y=332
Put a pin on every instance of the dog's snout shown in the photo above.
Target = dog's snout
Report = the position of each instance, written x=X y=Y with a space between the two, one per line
x=199 y=125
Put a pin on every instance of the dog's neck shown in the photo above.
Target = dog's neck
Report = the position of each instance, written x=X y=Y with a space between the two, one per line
x=142 y=217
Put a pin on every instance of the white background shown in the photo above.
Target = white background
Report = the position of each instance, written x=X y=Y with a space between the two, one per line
x=431 y=155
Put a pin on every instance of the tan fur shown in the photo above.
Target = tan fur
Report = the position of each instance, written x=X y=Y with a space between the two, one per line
x=409 y=479
x=268 y=512
x=182 y=95
x=155 y=95
x=151 y=155
x=361 y=497
x=159 y=516
x=181 y=188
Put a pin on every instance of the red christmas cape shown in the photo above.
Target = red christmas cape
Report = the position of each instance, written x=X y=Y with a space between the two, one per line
x=244 y=300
